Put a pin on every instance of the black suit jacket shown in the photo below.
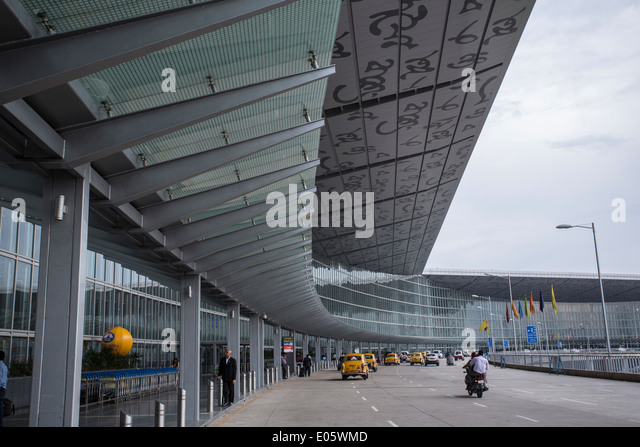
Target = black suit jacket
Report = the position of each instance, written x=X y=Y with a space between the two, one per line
x=227 y=369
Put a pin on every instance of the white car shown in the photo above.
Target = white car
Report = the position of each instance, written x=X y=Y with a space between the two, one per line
x=438 y=353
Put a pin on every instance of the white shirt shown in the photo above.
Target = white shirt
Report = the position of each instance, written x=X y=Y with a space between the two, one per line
x=479 y=364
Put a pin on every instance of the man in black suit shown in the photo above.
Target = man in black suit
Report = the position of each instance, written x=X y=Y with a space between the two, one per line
x=227 y=372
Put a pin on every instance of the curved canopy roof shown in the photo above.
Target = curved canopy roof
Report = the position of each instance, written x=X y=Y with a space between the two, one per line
x=402 y=117
x=189 y=115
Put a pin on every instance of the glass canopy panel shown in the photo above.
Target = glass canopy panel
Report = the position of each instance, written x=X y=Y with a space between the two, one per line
x=262 y=48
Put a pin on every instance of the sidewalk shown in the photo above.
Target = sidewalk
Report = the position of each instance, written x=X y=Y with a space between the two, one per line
x=142 y=410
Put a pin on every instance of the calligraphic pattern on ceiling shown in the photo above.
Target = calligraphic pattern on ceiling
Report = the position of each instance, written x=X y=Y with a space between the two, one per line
x=399 y=122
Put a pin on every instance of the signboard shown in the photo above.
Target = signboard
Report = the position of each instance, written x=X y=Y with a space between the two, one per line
x=505 y=344
x=490 y=342
x=287 y=344
x=532 y=334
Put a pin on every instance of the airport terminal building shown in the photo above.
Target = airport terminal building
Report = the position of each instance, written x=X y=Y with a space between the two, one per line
x=143 y=144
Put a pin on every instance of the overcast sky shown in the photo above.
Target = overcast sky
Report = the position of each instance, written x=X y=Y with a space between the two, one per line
x=561 y=143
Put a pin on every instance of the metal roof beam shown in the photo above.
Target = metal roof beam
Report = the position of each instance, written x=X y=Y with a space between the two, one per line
x=93 y=141
x=288 y=287
x=293 y=269
x=259 y=282
x=138 y=183
x=247 y=273
x=165 y=213
x=248 y=261
x=211 y=260
x=34 y=65
x=191 y=232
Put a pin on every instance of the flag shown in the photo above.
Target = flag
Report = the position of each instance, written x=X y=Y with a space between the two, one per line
x=553 y=301
x=533 y=310
x=541 y=302
x=484 y=326
x=515 y=314
x=526 y=308
x=507 y=306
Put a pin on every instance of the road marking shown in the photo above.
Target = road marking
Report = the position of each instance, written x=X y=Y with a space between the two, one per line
x=578 y=401
x=522 y=391
x=374 y=408
x=432 y=389
x=419 y=384
x=528 y=419
x=357 y=392
x=480 y=405
x=392 y=424
x=364 y=398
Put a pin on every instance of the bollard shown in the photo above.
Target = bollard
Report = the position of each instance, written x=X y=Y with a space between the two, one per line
x=211 y=398
x=182 y=402
x=125 y=420
x=253 y=380
x=221 y=399
x=244 y=384
x=159 y=420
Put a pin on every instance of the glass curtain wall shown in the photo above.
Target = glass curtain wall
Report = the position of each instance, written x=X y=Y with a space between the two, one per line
x=415 y=306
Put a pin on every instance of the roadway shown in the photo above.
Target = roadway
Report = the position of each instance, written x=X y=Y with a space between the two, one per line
x=435 y=396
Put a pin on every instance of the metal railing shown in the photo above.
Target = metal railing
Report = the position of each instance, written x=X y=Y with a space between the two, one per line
x=105 y=386
x=599 y=362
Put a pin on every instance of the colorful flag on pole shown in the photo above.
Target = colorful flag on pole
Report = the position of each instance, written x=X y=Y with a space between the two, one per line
x=541 y=302
x=526 y=308
x=553 y=301
x=515 y=314
x=484 y=326
x=533 y=310
x=507 y=306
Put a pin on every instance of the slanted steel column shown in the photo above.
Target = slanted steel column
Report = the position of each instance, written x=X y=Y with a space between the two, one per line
x=233 y=338
x=277 y=349
x=190 y=344
x=57 y=352
x=256 y=337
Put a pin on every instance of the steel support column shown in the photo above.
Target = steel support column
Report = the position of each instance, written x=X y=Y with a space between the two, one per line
x=256 y=337
x=233 y=338
x=190 y=298
x=57 y=352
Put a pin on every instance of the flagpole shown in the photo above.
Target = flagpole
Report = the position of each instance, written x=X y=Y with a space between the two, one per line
x=515 y=337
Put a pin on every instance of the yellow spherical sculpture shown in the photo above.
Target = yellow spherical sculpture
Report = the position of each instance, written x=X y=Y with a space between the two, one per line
x=118 y=339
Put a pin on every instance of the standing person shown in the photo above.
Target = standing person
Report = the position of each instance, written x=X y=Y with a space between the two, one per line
x=283 y=362
x=4 y=374
x=227 y=373
x=307 y=365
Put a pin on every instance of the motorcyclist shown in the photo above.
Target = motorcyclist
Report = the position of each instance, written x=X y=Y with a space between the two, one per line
x=477 y=366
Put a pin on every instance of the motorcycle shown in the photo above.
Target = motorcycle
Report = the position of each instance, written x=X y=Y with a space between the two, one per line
x=475 y=384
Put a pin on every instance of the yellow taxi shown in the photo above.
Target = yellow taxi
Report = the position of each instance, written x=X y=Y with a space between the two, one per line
x=371 y=360
x=392 y=359
x=355 y=365
x=417 y=357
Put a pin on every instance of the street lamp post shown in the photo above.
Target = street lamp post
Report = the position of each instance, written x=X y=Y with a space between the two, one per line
x=604 y=312
x=515 y=339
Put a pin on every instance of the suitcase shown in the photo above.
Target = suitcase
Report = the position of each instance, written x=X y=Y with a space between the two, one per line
x=9 y=409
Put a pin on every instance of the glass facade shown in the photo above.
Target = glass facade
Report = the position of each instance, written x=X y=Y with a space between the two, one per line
x=414 y=306
x=394 y=305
